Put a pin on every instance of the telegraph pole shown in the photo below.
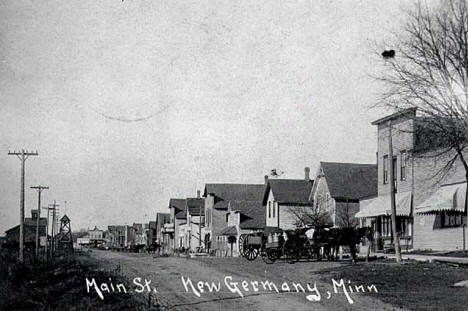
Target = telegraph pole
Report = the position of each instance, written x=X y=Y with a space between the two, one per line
x=39 y=191
x=396 y=238
x=22 y=155
x=54 y=209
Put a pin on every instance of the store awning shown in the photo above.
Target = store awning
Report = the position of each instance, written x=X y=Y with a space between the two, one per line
x=229 y=231
x=381 y=205
x=446 y=198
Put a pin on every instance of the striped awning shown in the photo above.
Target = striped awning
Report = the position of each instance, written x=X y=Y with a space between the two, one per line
x=446 y=198
x=381 y=205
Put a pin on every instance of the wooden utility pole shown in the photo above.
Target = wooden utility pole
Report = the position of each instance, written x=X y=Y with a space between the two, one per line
x=39 y=191
x=47 y=233
x=53 y=207
x=396 y=238
x=22 y=155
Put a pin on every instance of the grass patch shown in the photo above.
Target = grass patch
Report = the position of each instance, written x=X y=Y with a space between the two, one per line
x=59 y=286
x=412 y=285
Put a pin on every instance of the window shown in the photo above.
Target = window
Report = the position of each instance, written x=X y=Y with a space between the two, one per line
x=451 y=219
x=274 y=208
x=385 y=169
x=395 y=170
x=328 y=201
x=403 y=160
x=404 y=226
x=269 y=209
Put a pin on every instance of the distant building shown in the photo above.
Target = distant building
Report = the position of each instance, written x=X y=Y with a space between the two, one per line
x=178 y=217
x=30 y=224
x=141 y=234
x=95 y=236
x=161 y=220
x=195 y=231
x=121 y=236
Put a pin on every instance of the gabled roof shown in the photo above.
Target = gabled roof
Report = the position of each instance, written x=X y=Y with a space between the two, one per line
x=224 y=193
x=289 y=190
x=179 y=206
x=253 y=213
x=196 y=206
x=350 y=180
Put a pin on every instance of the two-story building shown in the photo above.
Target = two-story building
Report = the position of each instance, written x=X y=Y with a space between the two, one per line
x=429 y=207
x=178 y=217
x=95 y=236
x=377 y=211
x=217 y=198
x=338 y=189
x=285 y=200
x=161 y=220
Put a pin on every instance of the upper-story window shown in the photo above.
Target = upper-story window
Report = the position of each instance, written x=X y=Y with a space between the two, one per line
x=274 y=208
x=385 y=169
x=269 y=209
x=403 y=161
x=395 y=171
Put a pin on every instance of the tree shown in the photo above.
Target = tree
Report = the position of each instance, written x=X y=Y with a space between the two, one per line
x=429 y=72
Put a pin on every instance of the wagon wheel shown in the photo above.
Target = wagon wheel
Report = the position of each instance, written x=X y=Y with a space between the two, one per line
x=242 y=244
x=290 y=251
x=251 y=253
x=269 y=256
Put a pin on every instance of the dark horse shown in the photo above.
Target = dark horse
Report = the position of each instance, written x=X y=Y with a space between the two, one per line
x=332 y=238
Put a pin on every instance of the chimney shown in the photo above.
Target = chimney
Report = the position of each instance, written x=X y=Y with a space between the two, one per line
x=266 y=179
x=34 y=213
x=198 y=194
x=307 y=173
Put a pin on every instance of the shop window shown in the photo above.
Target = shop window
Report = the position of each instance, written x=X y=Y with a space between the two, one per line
x=448 y=219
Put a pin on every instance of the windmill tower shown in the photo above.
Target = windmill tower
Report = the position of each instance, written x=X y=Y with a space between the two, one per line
x=64 y=238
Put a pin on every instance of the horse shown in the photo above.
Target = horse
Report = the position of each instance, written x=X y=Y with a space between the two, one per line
x=333 y=238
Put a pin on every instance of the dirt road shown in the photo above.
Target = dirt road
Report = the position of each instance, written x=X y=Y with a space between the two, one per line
x=236 y=284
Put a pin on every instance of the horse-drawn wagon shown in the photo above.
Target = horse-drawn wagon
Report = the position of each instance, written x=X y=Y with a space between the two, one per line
x=273 y=244
x=293 y=245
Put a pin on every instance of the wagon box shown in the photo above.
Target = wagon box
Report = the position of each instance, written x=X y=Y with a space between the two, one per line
x=254 y=240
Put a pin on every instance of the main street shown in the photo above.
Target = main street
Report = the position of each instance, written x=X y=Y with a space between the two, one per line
x=169 y=274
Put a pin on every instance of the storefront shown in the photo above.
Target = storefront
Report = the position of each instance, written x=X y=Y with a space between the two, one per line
x=376 y=213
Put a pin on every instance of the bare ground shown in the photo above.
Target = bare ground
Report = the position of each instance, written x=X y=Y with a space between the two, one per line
x=166 y=273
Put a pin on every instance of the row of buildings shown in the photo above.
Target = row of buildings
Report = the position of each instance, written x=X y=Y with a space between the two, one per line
x=430 y=210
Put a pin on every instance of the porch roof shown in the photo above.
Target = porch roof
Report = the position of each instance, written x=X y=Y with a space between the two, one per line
x=446 y=198
x=229 y=231
x=381 y=205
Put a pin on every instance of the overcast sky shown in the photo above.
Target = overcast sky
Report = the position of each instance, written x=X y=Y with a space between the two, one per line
x=132 y=103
